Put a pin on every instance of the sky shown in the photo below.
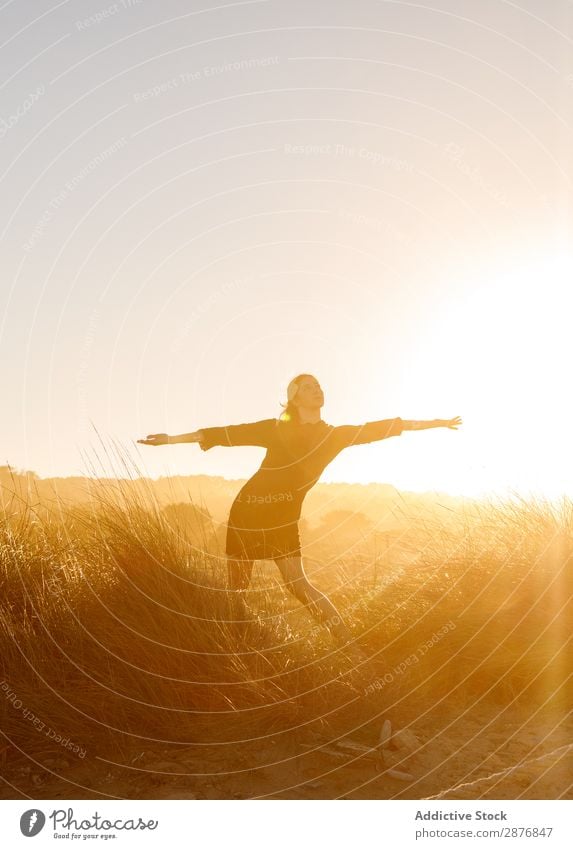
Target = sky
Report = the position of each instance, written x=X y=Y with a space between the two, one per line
x=199 y=201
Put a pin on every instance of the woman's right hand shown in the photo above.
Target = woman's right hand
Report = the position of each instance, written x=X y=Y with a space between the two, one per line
x=155 y=439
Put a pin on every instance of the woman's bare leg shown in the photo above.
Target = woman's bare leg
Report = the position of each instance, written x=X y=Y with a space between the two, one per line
x=239 y=572
x=296 y=580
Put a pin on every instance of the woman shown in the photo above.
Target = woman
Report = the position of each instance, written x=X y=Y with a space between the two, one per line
x=263 y=521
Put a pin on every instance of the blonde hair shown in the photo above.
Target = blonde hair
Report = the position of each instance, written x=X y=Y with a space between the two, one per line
x=290 y=412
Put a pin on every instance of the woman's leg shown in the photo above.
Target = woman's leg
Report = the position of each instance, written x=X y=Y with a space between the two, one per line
x=292 y=571
x=239 y=572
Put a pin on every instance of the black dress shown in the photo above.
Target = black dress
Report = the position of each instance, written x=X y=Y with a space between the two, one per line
x=263 y=521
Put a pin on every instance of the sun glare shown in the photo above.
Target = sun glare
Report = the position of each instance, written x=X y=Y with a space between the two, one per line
x=507 y=347
x=497 y=355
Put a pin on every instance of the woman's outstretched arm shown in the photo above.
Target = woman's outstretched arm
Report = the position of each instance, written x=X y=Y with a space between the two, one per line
x=250 y=433
x=410 y=424
x=165 y=439
x=347 y=435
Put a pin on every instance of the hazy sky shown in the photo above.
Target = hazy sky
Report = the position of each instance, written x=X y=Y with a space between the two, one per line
x=200 y=200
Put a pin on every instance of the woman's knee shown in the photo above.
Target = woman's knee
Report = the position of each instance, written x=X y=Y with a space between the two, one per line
x=299 y=590
x=300 y=587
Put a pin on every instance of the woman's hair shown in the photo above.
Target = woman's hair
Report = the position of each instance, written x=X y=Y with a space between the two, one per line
x=290 y=412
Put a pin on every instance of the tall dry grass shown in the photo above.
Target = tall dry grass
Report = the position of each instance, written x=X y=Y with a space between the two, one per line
x=485 y=611
x=117 y=631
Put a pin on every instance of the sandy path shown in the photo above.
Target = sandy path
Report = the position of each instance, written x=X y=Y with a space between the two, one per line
x=480 y=756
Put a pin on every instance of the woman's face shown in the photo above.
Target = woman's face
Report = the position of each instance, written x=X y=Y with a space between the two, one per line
x=309 y=394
